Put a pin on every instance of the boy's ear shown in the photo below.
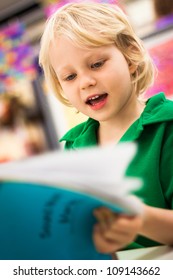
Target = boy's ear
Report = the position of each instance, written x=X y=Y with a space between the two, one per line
x=132 y=68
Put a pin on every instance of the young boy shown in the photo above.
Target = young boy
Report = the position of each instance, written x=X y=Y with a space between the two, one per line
x=93 y=60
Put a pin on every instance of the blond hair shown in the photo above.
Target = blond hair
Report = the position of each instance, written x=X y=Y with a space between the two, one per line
x=95 y=25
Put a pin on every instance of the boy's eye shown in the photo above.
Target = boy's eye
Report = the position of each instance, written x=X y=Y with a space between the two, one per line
x=97 y=64
x=70 y=77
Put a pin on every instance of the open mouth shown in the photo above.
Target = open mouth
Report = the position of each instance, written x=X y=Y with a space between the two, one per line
x=94 y=100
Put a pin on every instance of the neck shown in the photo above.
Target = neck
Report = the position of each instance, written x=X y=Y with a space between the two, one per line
x=112 y=131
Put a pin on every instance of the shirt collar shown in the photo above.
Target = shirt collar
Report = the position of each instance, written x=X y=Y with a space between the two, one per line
x=158 y=109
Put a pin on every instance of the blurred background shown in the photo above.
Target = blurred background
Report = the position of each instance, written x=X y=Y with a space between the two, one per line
x=31 y=119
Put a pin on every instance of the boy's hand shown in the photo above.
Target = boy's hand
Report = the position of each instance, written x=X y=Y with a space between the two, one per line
x=114 y=231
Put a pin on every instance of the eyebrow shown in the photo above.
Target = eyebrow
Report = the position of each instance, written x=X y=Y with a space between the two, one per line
x=87 y=57
x=61 y=73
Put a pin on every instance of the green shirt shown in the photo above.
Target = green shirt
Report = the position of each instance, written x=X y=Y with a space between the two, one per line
x=153 y=132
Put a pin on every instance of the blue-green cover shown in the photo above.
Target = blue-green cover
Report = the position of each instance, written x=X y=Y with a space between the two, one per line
x=46 y=223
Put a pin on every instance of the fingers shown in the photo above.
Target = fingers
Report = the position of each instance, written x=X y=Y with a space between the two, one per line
x=114 y=231
x=104 y=216
x=103 y=245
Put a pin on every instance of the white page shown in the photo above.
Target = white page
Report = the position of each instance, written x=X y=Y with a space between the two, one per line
x=96 y=171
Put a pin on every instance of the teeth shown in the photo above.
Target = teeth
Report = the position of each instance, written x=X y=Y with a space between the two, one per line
x=94 y=97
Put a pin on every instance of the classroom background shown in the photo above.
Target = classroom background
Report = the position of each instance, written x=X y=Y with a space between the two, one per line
x=31 y=118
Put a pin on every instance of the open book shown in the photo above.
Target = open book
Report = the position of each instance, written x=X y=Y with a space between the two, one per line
x=47 y=201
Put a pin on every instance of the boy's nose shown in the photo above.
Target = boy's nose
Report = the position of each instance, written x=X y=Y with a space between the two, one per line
x=87 y=81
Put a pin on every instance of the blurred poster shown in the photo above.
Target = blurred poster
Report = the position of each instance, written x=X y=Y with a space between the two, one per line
x=162 y=55
x=16 y=56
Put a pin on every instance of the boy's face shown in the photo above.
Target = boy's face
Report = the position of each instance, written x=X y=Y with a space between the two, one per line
x=96 y=81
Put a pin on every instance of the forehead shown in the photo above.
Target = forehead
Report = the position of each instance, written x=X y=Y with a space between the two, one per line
x=63 y=51
x=64 y=42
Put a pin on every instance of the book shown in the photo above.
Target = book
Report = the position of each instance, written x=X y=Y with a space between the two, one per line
x=47 y=201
